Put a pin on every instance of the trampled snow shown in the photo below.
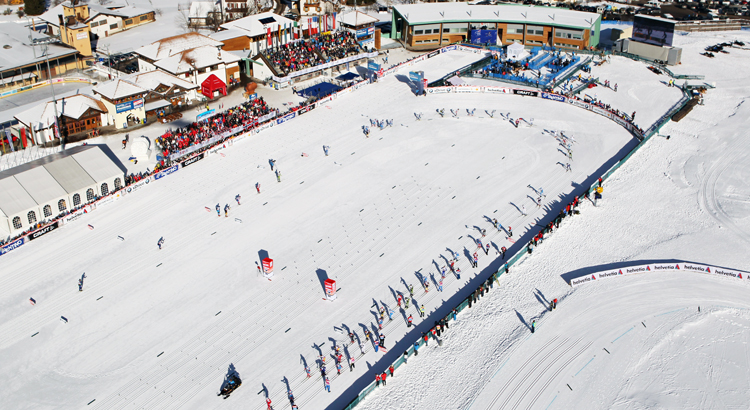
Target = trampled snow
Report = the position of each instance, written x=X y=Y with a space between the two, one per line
x=159 y=329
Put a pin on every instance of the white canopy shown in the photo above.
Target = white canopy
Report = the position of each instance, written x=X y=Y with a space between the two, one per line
x=515 y=51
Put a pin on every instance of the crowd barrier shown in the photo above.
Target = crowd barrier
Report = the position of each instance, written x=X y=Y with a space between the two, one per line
x=659 y=267
x=461 y=89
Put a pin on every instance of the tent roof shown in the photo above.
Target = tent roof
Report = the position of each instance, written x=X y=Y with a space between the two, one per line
x=213 y=81
x=347 y=76
x=70 y=175
x=40 y=185
x=515 y=46
x=13 y=198
x=97 y=165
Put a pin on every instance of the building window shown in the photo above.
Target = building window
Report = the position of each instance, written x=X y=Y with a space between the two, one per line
x=118 y=183
x=89 y=195
x=144 y=17
x=47 y=211
x=128 y=22
x=76 y=200
x=418 y=32
x=17 y=223
x=94 y=24
x=32 y=217
x=61 y=205
x=105 y=189
x=515 y=28
x=113 y=26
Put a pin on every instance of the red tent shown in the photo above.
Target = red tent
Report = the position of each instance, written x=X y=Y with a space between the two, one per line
x=211 y=84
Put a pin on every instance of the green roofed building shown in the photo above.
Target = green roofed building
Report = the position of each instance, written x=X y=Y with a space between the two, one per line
x=432 y=25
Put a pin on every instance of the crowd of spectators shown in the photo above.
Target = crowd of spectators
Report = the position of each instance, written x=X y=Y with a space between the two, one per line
x=243 y=115
x=317 y=50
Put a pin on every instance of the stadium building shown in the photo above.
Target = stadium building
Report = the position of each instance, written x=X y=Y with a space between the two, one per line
x=432 y=25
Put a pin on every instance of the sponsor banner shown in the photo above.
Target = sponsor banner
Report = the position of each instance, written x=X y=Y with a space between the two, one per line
x=498 y=90
x=161 y=174
x=122 y=107
x=439 y=90
x=467 y=89
x=305 y=109
x=286 y=118
x=526 y=92
x=620 y=121
x=11 y=246
x=579 y=103
x=323 y=101
x=138 y=185
x=266 y=126
x=73 y=216
x=204 y=115
x=267 y=117
x=450 y=48
x=343 y=91
x=365 y=32
x=554 y=97
x=192 y=160
x=373 y=66
x=107 y=200
x=433 y=54
x=47 y=229
x=659 y=267
x=600 y=111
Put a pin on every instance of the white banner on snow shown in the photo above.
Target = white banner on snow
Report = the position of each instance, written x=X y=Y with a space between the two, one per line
x=657 y=267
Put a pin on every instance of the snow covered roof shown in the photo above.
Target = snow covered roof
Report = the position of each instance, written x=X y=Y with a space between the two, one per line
x=97 y=165
x=124 y=12
x=355 y=18
x=50 y=16
x=171 y=46
x=200 y=9
x=42 y=115
x=119 y=88
x=258 y=24
x=229 y=34
x=196 y=58
x=19 y=52
x=151 y=80
x=463 y=12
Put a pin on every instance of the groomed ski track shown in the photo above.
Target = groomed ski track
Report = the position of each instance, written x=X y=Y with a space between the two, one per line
x=370 y=215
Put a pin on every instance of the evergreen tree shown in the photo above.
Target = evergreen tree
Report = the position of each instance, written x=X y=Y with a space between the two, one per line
x=34 y=7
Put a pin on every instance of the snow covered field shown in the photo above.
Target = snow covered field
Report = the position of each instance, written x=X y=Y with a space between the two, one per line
x=685 y=198
x=159 y=329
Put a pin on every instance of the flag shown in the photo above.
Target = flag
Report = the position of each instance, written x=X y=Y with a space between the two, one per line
x=309 y=26
x=315 y=29
x=334 y=21
x=268 y=37
x=10 y=141
x=23 y=136
x=296 y=32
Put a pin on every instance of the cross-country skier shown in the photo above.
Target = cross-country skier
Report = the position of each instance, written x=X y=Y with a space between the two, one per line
x=272 y=162
x=351 y=338
x=440 y=285
x=325 y=149
x=380 y=323
x=160 y=242
x=398 y=300
x=487 y=249
x=533 y=326
x=338 y=367
x=567 y=167
x=226 y=210
x=390 y=315
x=218 y=210
x=407 y=303
x=382 y=341
x=351 y=363
x=409 y=321
x=411 y=290
x=377 y=345
x=268 y=402
x=237 y=198
x=421 y=311
x=328 y=385
x=257 y=186
x=278 y=175
x=307 y=370
x=523 y=210
x=476 y=259
x=426 y=285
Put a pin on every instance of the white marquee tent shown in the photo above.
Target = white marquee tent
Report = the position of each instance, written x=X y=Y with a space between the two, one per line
x=47 y=187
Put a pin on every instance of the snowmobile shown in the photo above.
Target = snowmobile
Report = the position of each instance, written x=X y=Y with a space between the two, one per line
x=231 y=385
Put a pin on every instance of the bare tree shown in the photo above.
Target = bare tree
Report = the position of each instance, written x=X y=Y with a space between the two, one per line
x=183 y=22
